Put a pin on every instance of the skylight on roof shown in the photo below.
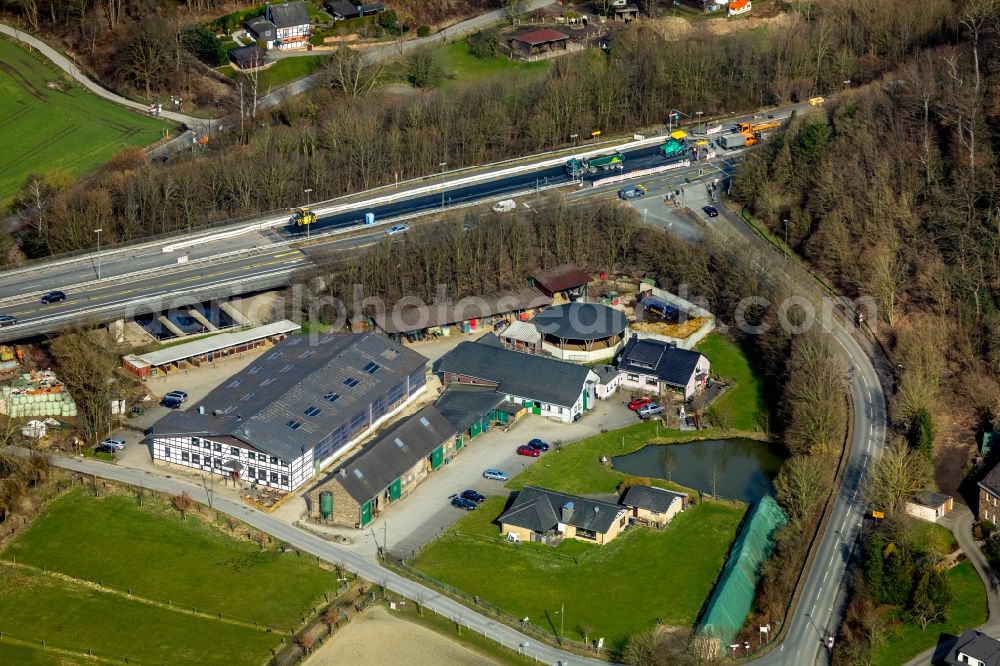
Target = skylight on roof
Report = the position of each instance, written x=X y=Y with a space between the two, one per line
x=307 y=353
x=269 y=380
x=247 y=396
x=233 y=384
x=399 y=443
x=424 y=422
x=312 y=411
x=357 y=473
x=254 y=370
x=372 y=368
x=326 y=340
x=293 y=342
x=390 y=353
x=351 y=381
x=294 y=424
x=331 y=397
x=287 y=368
x=274 y=355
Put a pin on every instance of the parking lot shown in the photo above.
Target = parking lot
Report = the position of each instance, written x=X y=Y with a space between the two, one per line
x=427 y=511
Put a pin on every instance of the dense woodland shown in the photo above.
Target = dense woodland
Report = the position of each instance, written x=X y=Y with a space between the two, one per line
x=325 y=142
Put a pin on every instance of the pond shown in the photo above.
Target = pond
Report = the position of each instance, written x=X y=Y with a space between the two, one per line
x=743 y=468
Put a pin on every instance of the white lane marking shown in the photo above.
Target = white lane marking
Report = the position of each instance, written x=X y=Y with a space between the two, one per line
x=818 y=594
x=864 y=383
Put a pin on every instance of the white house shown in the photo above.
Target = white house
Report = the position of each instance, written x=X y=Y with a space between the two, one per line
x=654 y=366
x=291 y=24
x=293 y=411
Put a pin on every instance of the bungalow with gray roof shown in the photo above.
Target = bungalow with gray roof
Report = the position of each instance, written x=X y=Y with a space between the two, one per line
x=542 y=515
x=656 y=506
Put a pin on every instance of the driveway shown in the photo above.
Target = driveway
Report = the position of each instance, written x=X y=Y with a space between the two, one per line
x=426 y=511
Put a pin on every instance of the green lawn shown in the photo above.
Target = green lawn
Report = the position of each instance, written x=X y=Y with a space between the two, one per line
x=461 y=66
x=932 y=538
x=282 y=72
x=68 y=129
x=742 y=405
x=23 y=655
x=68 y=615
x=577 y=467
x=967 y=610
x=154 y=553
x=620 y=590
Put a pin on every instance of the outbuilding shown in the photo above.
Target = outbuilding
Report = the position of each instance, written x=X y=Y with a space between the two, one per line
x=929 y=506
x=537 y=42
x=248 y=58
x=384 y=471
x=566 y=282
x=582 y=332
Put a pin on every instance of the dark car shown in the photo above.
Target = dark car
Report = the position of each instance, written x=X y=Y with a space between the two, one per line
x=7 y=320
x=462 y=503
x=473 y=496
x=538 y=445
x=525 y=450
x=53 y=297
x=711 y=211
x=171 y=403
x=105 y=448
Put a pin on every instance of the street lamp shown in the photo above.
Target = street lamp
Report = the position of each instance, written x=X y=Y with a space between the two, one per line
x=698 y=115
x=574 y=137
x=308 y=191
x=847 y=83
x=98 y=232
x=442 y=165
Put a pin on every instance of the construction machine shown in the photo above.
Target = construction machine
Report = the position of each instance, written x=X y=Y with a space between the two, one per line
x=303 y=217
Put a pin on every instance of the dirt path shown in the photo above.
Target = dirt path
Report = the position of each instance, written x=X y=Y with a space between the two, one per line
x=378 y=637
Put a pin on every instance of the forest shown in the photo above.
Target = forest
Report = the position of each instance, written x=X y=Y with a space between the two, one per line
x=324 y=141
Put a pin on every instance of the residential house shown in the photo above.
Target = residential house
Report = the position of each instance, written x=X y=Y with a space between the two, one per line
x=929 y=506
x=342 y=9
x=608 y=381
x=654 y=505
x=989 y=496
x=262 y=31
x=545 y=386
x=291 y=23
x=974 y=648
x=539 y=514
x=294 y=410
x=386 y=470
x=654 y=366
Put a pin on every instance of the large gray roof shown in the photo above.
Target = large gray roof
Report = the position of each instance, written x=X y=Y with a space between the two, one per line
x=289 y=14
x=370 y=471
x=977 y=645
x=538 y=509
x=465 y=404
x=581 y=321
x=289 y=385
x=671 y=364
x=523 y=375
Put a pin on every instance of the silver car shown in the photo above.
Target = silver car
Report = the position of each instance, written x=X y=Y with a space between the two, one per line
x=650 y=410
x=114 y=443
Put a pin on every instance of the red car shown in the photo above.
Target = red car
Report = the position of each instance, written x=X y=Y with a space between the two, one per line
x=525 y=450
x=636 y=403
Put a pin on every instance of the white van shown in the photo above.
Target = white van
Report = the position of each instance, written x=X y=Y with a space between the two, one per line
x=505 y=206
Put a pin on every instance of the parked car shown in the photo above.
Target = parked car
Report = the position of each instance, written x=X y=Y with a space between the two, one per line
x=397 y=229
x=104 y=448
x=538 y=445
x=176 y=395
x=650 y=410
x=171 y=403
x=7 y=320
x=635 y=403
x=495 y=475
x=473 y=496
x=463 y=503
x=525 y=450
x=711 y=211
x=113 y=442
x=53 y=297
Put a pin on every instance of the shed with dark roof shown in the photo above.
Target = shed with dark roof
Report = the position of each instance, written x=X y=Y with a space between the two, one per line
x=651 y=365
x=566 y=280
x=296 y=408
x=262 y=31
x=248 y=57
x=385 y=470
x=538 y=41
x=654 y=505
x=545 y=386
x=974 y=647
x=539 y=514
x=471 y=409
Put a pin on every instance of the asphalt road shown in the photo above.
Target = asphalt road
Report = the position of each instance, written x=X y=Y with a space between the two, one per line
x=333 y=554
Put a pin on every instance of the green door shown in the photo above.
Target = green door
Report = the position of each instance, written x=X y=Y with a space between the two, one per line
x=585 y=396
x=536 y=408
x=475 y=429
x=458 y=443
x=395 y=490
x=437 y=456
x=366 y=513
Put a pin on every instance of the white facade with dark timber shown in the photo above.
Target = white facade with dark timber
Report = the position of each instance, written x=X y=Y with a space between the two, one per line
x=292 y=412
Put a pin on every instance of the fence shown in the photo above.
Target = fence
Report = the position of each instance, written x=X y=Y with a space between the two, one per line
x=70 y=650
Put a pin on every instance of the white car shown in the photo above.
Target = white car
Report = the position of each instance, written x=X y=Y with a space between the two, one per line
x=113 y=442
x=397 y=229
x=180 y=396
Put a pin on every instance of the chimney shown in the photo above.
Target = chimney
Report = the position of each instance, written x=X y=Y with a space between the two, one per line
x=566 y=512
x=343 y=472
x=201 y=409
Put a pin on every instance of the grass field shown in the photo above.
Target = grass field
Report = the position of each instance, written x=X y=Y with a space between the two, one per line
x=967 y=610
x=742 y=405
x=462 y=67
x=931 y=538
x=66 y=128
x=144 y=549
x=69 y=615
x=282 y=72
x=23 y=655
x=619 y=590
